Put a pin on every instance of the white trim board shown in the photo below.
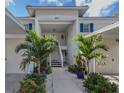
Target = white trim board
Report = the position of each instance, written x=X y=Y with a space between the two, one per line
x=15 y=35
x=49 y=22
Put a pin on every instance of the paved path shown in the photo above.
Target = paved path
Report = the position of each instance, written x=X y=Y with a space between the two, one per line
x=12 y=82
x=62 y=83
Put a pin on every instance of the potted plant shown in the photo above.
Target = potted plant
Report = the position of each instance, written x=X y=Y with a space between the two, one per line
x=80 y=68
x=80 y=72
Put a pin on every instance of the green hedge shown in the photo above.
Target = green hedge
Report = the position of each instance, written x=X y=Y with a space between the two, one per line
x=96 y=83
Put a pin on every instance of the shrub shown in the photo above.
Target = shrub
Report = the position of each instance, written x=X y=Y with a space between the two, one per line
x=72 y=68
x=48 y=70
x=33 y=83
x=43 y=69
x=96 y=83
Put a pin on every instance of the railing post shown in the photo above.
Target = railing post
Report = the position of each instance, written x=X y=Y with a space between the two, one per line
x=94 y=65
x=49 y=59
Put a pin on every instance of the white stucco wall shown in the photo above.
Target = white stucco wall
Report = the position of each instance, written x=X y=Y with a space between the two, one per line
x=61 y=14
x=110 y=67
x=11 y=27
x=12 y=59
x=112 y=60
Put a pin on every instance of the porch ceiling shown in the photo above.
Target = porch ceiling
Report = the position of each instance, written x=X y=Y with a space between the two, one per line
x=54 y=27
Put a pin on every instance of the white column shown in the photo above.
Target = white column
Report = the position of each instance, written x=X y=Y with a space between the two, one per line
x=50 y=59
x=30 y=68
x=94 y=65
x=37 y=26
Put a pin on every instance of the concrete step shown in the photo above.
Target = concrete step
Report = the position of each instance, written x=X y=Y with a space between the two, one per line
x=56 y=64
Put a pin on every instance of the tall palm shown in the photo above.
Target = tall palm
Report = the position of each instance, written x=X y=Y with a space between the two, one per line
x=36 y=49
x=89 y=48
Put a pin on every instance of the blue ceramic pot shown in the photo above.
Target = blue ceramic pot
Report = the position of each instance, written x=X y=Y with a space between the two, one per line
x=80 y=74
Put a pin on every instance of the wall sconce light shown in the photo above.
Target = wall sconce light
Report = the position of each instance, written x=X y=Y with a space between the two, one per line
x=117 y=40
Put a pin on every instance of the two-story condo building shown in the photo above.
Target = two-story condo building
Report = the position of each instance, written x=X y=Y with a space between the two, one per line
x=63 y=23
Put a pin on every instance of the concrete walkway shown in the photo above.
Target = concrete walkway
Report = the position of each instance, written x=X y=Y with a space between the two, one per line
x=12 y=82
x=61 y=82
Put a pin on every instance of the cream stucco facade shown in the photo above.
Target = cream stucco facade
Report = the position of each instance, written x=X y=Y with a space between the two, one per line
x=64 y=23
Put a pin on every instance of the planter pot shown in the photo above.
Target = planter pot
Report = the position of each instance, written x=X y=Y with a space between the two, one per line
x=80 y=74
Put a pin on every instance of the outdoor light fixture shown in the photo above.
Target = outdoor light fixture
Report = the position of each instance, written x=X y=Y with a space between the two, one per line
x=56 y=17
x=117 y=40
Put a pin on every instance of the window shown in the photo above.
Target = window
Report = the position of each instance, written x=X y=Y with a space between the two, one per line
x=86 y=27
x=28 y=26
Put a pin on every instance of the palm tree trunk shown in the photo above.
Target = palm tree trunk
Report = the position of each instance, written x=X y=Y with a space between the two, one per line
x=88 y=67
x=39 y=68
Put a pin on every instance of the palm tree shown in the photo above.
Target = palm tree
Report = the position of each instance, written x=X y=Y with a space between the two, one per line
x=36 y=49
x=116 y=14
x=89 y=48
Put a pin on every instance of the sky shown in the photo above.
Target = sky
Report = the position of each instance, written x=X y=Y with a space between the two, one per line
x=97 y=8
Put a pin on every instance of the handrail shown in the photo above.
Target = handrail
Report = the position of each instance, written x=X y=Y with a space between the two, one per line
x=61 y=55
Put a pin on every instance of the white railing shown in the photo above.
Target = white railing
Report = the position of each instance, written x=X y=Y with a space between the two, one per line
x=30 y=68
x=61 y=55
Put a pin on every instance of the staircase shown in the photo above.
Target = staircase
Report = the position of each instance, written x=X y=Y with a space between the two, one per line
x=57 y=58
x=55 y=63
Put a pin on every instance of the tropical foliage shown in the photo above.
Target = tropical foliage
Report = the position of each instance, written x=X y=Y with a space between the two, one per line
x=72 y=68
x=90 y=47
x=36 y=49
x=96 y=83
x=33 y=83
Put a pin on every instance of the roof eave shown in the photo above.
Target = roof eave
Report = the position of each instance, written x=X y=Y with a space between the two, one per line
x=80 y=8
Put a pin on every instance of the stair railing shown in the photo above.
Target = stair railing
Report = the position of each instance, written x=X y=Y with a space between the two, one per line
x=61 y=55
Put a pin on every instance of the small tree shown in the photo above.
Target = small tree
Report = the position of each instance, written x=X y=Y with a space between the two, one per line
x=89 y=48
x=36 y=49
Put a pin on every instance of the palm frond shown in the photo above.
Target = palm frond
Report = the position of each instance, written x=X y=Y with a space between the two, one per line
x=99 y=46
x=98 y=56
x=24 y=63
x=23 y=46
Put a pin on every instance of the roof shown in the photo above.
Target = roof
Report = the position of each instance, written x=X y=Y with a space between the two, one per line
x=31 y=9
x=104 y=29
x=98 y=18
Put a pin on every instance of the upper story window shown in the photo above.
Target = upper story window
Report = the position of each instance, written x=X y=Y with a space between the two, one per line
x=28 y=26
x=86 y=27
